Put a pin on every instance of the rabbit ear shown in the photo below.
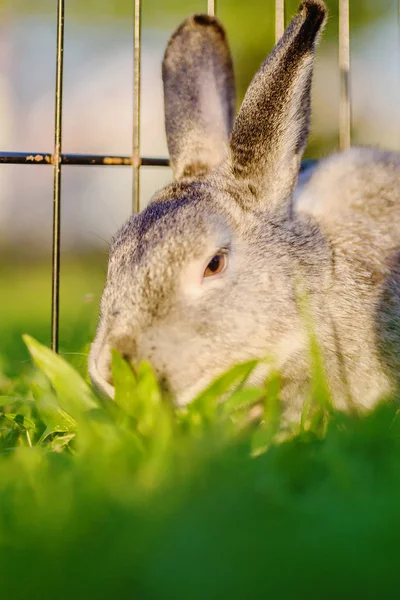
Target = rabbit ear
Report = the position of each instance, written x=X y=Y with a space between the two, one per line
x=271 y=129
x=199 y=96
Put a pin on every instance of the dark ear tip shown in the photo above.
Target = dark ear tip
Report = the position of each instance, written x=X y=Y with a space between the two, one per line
x=204 y=20
x=207 y=27
x=314 y=10
x=201 y=21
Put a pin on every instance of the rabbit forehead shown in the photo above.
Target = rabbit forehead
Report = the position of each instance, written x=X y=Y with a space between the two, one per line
x=149 y=252
x=169 y=229
x=181 y=218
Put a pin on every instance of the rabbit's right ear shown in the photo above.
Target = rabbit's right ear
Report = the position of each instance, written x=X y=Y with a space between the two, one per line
x=199 y=96
x=271 y=128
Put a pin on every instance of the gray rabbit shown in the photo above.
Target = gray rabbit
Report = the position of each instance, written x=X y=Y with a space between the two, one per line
x=208 y=275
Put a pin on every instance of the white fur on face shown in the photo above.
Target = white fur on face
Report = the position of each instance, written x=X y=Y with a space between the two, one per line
x=99 y=360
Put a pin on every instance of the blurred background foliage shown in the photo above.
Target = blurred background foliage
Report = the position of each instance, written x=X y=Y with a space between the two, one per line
x=98 y=119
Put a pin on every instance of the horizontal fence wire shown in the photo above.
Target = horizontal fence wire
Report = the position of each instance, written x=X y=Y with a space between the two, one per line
x=90 y=160
x=87 y=160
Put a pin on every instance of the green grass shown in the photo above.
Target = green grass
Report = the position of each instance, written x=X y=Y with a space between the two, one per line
x=134 y=499
x=25 y=307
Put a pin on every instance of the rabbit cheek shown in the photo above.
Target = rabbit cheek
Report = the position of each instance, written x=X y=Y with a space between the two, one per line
x=177 y=355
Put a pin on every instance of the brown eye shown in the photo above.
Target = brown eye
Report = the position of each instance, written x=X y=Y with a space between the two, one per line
x=216 y=265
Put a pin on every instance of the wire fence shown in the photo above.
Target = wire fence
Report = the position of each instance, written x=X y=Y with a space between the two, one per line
x=57 y=159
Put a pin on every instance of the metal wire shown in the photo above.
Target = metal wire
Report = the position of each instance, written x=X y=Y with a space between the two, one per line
x=136 y=105
x=45 y=158
x=55 y=296
x=280 y=19
x=398 y=43
x=344 y=66
x=88 y=160
x=211 y=7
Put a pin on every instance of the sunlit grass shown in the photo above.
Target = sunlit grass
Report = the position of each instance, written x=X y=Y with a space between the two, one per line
x=25 y=307
x=135 y=499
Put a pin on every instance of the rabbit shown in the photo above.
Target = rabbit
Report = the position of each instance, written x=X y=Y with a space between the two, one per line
x=208 y=274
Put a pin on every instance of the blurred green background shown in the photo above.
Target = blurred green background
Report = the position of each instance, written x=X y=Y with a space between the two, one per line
x=98 y=118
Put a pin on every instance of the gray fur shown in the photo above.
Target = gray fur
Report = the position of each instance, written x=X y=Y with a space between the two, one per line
x=271 y=129
x=337 y=236
x=199 y=96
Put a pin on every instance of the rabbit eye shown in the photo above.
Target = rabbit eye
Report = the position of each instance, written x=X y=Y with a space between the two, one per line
x=216 y=265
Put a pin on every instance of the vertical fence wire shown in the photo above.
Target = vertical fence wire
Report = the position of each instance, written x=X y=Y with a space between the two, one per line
x=344 y=66
x=55 y=299
x=398 y=44
x=136 y=161
x=280 y=19
x=211 y=7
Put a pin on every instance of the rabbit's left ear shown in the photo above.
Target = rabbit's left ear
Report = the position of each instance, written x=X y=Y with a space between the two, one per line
x=271 y=129
x=199 y=96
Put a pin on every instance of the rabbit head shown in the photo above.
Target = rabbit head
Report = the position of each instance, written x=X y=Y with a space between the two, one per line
x=203 y=277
